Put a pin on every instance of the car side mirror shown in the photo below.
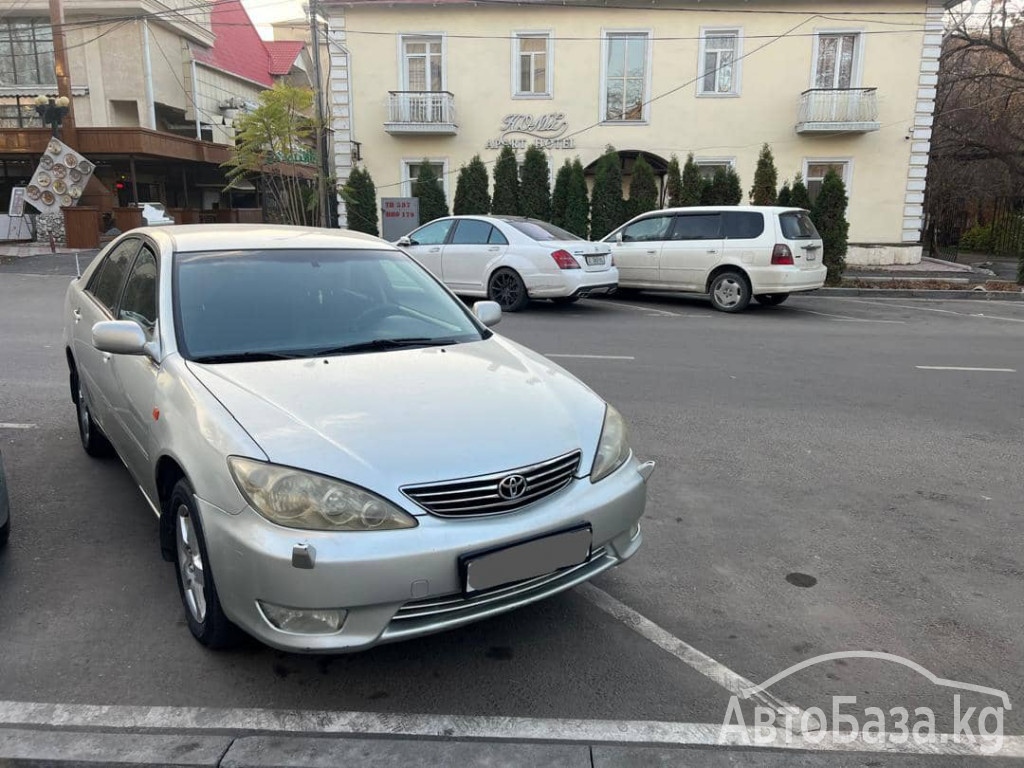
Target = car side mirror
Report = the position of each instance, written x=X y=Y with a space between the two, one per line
x=404 y=240
x=618 y=237
x=487 y=312
x=119 y=337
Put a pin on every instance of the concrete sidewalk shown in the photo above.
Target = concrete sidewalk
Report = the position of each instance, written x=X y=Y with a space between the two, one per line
x=64 y=749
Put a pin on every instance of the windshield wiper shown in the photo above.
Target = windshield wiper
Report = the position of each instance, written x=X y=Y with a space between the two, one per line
x=376 y=345
x=245 y=357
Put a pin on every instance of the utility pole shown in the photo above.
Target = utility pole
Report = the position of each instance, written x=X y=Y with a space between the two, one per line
x=60 y=60
x=323 y=167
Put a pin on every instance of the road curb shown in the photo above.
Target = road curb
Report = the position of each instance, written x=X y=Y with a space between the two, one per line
x=917 y=293
x=74 y=749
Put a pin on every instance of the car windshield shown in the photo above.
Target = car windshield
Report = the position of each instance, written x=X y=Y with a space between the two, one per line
x=542 y=231
x=266 y=304
x=797 y=225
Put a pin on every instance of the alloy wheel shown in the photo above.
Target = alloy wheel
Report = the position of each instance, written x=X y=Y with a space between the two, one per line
x=728 y=292
x=190 y=564
x=506 y=289
x=83 y=416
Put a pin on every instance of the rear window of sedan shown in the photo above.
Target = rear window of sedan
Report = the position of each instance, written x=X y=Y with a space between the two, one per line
x=542 y=231
x=797 y=225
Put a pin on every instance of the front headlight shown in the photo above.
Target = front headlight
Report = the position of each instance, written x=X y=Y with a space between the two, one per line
x=612 y=448
x=299 y=499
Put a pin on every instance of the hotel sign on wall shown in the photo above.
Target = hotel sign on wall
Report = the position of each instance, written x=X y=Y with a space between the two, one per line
x=546 y=131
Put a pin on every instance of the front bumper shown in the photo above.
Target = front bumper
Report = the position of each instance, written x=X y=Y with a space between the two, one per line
x=397 y=585
x=573 y=282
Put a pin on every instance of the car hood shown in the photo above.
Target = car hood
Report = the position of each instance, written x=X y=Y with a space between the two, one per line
x=387 y=419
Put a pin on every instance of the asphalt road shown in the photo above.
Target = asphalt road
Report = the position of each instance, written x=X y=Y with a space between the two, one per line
x=795 y=445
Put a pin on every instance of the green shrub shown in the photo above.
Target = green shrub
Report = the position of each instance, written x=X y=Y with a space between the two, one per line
x=360 y=196
x=799 y=197
x=643 y=189
x=427 y=187
x=606 y=204
x=577 y=204
x=560 y=195
x=505 y=199
x=673 y=183
x=784 y=194
x=693 y=185
x=471 y=195
x=977 y=238
x=829 y=216
x=765 y=179
x=535 y=185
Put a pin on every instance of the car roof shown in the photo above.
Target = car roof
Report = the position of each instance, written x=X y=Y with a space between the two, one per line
x=720 y=208
x=187 y=238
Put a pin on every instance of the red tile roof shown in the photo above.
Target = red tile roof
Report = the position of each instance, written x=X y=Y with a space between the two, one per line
x=283 y=54
x=238 y=49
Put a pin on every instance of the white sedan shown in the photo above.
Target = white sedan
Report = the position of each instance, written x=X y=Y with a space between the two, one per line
x=510 y=259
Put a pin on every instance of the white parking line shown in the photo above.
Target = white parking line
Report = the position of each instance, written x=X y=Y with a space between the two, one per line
x=594 y=357
x=846 y=319
x=571 y=731
x=654 y=310
x=962 y=368
x=698 y=660
x=935 y=309
x=14 y=425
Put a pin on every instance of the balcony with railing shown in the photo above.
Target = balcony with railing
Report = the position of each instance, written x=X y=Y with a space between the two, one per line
x=838 y=110
x=421 y=112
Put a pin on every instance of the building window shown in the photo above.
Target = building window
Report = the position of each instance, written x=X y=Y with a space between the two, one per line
x=422 y=63
x=708 y=166
x=835 y=60
x=26 y=53
x=411 y=172
x=531 y=64
x=815 y=170
x=720 y=62
x=626 y=76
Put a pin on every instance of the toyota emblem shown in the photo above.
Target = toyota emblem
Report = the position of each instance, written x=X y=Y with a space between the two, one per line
x=512 y=487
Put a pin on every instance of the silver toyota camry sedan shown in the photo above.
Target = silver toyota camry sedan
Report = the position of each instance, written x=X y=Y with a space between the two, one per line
x=339 y=452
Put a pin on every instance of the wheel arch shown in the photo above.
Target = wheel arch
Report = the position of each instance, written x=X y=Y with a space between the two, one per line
x=72 y=374
x=168 y=473
x=728 y=268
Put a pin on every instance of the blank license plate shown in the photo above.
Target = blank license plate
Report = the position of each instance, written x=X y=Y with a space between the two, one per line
x=529 y=559
x=595 y=261
x=811 y=255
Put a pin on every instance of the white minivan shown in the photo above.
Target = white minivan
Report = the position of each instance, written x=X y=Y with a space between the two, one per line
x=731 y=253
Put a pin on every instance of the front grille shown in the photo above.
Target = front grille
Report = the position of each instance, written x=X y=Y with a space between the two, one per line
x=480 y=496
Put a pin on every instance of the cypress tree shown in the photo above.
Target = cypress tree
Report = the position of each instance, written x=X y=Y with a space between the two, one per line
x=829 y=216
x=674 y=183
x=560 y=196
x=734 y=189
x=471 y=195
x=720 y=189
x=577 y=204
x=784 y=194
x=606 y=204
x=643 y=189
x=765 y=179
x=360 y=196
x=428 y=189
x=505 y=200
x=799 y=197
x=535 y=186
x=693 y=184
x=707 y=192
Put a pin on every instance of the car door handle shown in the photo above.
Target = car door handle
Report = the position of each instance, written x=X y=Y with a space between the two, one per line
x=653 y=250
x=712 y=250
x=78 y=315
x=494 y=248
x=433 y=250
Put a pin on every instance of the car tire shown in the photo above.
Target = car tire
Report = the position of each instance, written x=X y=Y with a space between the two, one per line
x=771 y=299
x=729 y=291
x=508 y=289
x=206 y=619
x=565 y=300
x=94 y=442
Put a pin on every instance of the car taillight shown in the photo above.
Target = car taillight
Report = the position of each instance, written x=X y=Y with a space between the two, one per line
x=564 y=260
x=781 y=254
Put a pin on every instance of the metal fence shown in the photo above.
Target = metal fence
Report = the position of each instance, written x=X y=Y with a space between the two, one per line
x=992 y=226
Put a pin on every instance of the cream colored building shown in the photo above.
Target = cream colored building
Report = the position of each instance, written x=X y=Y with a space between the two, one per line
x=851 y=88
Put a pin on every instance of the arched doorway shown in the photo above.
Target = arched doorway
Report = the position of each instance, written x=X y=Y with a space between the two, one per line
x=627 y=158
